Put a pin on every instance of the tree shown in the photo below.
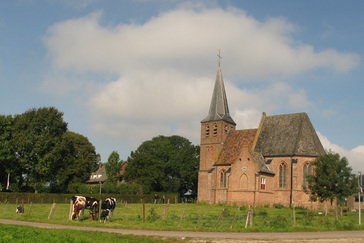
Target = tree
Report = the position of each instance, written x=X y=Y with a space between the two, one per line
x=36 y=134
x=332 y=178
x=8 y=162
x=165 y=164
x=78 y=161
x=113 y=167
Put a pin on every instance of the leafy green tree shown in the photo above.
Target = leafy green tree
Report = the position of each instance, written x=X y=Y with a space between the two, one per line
x=36 y=134
x=8 y=162
x=332 y=178
x=78 y=160
x=165 y=164
x=113 y=167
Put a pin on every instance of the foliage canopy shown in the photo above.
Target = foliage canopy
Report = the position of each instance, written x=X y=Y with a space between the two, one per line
x=332 y=178
x=165 y=164
x=40 y=154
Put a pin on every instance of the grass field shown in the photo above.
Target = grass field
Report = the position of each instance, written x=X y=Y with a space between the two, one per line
x=208 y=217
x=20 y=233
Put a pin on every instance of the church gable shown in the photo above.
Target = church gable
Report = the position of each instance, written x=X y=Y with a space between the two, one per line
x=234 y=144
x=288 y=135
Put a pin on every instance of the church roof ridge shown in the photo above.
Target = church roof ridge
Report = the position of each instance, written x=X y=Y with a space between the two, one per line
x=288 y=135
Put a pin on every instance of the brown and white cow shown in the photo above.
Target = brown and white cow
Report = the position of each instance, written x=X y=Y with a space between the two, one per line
x=79 y=204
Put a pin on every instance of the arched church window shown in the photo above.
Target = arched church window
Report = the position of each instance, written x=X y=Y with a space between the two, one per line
x=223 y=178
x=215 y=129
x=207 y=130
x=226 y=129
x=307 y=170
x=282 y=175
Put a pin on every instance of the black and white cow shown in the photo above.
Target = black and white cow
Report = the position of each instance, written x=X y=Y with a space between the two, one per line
x=93 y=205
x=19 y=209
x=108 y=207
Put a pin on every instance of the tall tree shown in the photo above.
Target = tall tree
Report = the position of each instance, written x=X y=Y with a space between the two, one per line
x=78 y=160
x=8 y=162
x=166 y=164
x=36 y=135
x=332 y=178
x=113 y=167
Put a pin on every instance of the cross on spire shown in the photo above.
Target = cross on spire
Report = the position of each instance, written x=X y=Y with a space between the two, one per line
x=219 y=56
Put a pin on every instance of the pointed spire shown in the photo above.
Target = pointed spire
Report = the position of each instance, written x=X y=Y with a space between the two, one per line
x=219 y=109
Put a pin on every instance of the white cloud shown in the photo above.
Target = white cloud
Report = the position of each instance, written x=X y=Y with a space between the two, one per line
x=354 y=156
x=166 y=69
x=185 y=39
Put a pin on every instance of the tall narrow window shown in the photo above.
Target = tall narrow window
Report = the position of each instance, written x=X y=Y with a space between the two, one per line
x=307 y=170
x=262 y=183
x=223 y=179
x=282 y=175
x=215 y=129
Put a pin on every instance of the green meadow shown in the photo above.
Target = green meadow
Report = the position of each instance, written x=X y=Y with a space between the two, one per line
x=195 y=217
x=20 y=233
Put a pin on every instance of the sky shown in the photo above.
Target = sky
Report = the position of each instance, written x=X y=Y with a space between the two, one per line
x=125 y=71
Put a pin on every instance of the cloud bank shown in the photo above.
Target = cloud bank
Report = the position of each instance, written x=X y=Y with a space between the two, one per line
x=165 y=69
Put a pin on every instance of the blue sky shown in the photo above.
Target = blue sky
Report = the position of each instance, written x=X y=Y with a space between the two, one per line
x=123 y=72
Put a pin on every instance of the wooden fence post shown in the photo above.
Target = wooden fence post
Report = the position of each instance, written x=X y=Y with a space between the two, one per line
x=294 y=215
x=236 y=214
x=251 y=217
x=143 y=211
x=52 y=209
x=198 y=221
x=6 y=206
x=218 y=220
x=180 y=221
x=247 y=218
x=30 y=208
x=71 y=207
x=164 y=212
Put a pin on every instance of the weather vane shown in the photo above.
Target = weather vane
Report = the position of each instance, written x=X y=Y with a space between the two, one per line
x=219 y=56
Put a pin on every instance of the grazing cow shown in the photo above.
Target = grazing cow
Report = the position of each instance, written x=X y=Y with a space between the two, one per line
x=93 y=205
x=79 y=204
x=108 y=207
x=19 y=209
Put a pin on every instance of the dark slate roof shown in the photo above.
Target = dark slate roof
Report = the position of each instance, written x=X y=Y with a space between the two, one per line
x=288 y=135
x=259 y=159
x=219 y=109
x=233 y=145
x=98 y=176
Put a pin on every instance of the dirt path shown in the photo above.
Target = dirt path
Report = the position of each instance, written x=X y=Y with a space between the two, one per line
x=333 y=236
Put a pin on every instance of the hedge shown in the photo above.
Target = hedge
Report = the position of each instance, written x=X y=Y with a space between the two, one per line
x=18 y=197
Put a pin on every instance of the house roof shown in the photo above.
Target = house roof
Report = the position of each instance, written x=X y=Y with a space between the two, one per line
x=98 y=176
x=219 y=109
x=288 y=135
x=233 y=145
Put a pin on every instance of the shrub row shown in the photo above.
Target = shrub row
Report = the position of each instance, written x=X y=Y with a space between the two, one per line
x=18 y=197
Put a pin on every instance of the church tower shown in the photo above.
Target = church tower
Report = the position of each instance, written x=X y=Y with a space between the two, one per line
x=214 y=130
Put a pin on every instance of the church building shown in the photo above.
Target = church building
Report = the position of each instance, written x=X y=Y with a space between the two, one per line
x=261 y=166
